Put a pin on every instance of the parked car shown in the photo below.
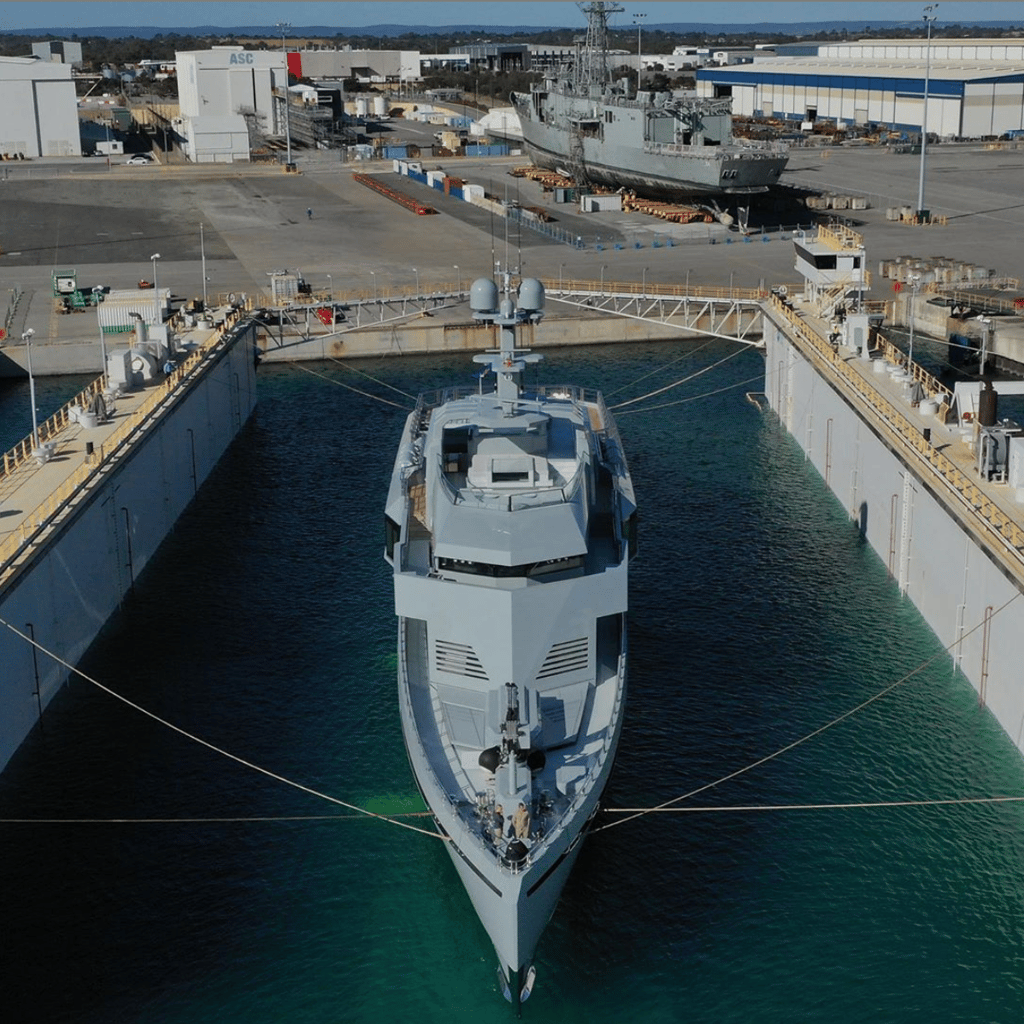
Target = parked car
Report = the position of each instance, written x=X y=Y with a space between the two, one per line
x=139 y=158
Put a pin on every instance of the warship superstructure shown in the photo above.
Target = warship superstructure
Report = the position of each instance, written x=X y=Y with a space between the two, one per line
x=598 y=131
x=510 y=526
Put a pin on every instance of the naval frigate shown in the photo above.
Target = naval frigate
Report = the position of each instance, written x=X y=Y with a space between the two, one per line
x=600 y=131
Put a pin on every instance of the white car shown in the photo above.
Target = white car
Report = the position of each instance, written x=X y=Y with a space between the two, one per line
x=138 y=159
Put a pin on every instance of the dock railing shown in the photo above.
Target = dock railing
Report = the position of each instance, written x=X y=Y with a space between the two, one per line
x=61 y=497
x=991 y=521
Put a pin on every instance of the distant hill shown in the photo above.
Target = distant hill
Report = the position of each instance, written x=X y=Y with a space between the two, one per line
x=801 y=28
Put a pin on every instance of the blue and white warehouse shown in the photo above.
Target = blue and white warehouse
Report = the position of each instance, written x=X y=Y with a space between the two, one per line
x=973 y=91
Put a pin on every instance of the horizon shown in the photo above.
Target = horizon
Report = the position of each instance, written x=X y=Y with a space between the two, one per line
x=56 y=16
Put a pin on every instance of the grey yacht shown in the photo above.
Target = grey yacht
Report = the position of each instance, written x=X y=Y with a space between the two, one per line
x=510 y=526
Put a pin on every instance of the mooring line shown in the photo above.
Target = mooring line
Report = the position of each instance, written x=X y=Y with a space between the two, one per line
x=632 y=816
x=342 y=384
x=206 y=821
x=658 y=369
x=684 y=380
x=944 y=802
x=213 y=747
x=692 y=398
x=369 y=376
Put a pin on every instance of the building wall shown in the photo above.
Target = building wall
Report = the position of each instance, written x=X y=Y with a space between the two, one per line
x=950 y=576
x=217 y=140
x=82 y=573
x=40 y=113
x=966 y=108
x=226 y=80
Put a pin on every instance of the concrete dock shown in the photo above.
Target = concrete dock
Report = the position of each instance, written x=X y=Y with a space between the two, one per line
x=107 y=223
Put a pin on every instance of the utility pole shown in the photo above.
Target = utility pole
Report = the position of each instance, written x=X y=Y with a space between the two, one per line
x=928 y=19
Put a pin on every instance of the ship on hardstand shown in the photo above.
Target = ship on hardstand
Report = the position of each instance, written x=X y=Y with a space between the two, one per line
x=603 y=132
x=510 y=526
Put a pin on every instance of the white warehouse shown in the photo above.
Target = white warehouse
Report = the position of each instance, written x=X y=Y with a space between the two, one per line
x=975 y=89
x=40 y=109
x=216 y=87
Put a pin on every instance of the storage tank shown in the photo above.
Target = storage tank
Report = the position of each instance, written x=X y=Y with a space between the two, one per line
x=379 y=106
x=362 y=107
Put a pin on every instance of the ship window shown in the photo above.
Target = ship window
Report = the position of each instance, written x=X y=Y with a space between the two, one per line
x=531 y=570
x=631 y=538
x=392 y=533
x=608 y=117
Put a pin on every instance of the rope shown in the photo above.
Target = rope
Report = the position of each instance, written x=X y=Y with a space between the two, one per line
x=194 y=821
x=659 y=369
x=684 y=380
x=214 y=748
x=952 y=801
x=694 y=398
x=376 y=380
x=342 y=384
x=817 y=732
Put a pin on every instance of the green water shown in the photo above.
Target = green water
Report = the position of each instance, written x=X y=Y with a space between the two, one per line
x=265 y=625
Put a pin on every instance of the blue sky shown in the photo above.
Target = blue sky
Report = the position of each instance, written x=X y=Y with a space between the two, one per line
x=57 y=16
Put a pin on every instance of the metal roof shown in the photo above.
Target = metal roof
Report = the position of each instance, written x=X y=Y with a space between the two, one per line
x=909 y=69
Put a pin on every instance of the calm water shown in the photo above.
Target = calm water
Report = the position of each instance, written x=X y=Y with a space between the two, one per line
x=265 y=625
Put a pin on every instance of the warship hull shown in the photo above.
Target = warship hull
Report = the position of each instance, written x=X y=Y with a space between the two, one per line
x=658 y=171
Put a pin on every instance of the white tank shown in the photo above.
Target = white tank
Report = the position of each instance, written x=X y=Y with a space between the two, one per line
x=379 y=106
x=362 y=107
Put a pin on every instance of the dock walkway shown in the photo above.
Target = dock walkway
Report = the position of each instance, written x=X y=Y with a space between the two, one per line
x=941 y=451
x=36 y=493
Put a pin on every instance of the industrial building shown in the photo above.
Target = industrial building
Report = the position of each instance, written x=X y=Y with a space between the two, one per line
x=59 y=51
x=40 y=109
x=223 y=92
x=975 y=88
x=366 y=66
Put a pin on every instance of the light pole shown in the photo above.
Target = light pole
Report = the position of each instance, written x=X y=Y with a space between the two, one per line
x=27 y=338
x=602 y=280
x=417 y=273
x=202 y=250
x=282 y=25
x=986 y=323
x=374 y=276
x=159 y=313
x=638 y=20
x=458 y=275
x=330 y=286
x=928 y=19
x=915 y=280
x=560 y=266
x=96 y=293
x=645 y=281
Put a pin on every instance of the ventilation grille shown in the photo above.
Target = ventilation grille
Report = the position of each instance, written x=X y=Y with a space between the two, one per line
x=459 y=659
x=568 y=656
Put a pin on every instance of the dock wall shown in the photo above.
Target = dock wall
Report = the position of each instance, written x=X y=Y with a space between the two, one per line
x=81 y=568
x=426 y=336
x=940 y=559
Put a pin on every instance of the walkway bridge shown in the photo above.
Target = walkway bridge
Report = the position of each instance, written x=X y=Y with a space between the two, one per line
x=724 y=312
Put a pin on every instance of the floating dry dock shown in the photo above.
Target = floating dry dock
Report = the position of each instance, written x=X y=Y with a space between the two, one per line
x=82 y=512
x=922 y=479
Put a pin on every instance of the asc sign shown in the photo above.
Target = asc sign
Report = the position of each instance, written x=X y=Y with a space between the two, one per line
x=242 y=58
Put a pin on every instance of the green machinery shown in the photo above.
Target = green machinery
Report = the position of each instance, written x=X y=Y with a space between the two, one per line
x=71 y=298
